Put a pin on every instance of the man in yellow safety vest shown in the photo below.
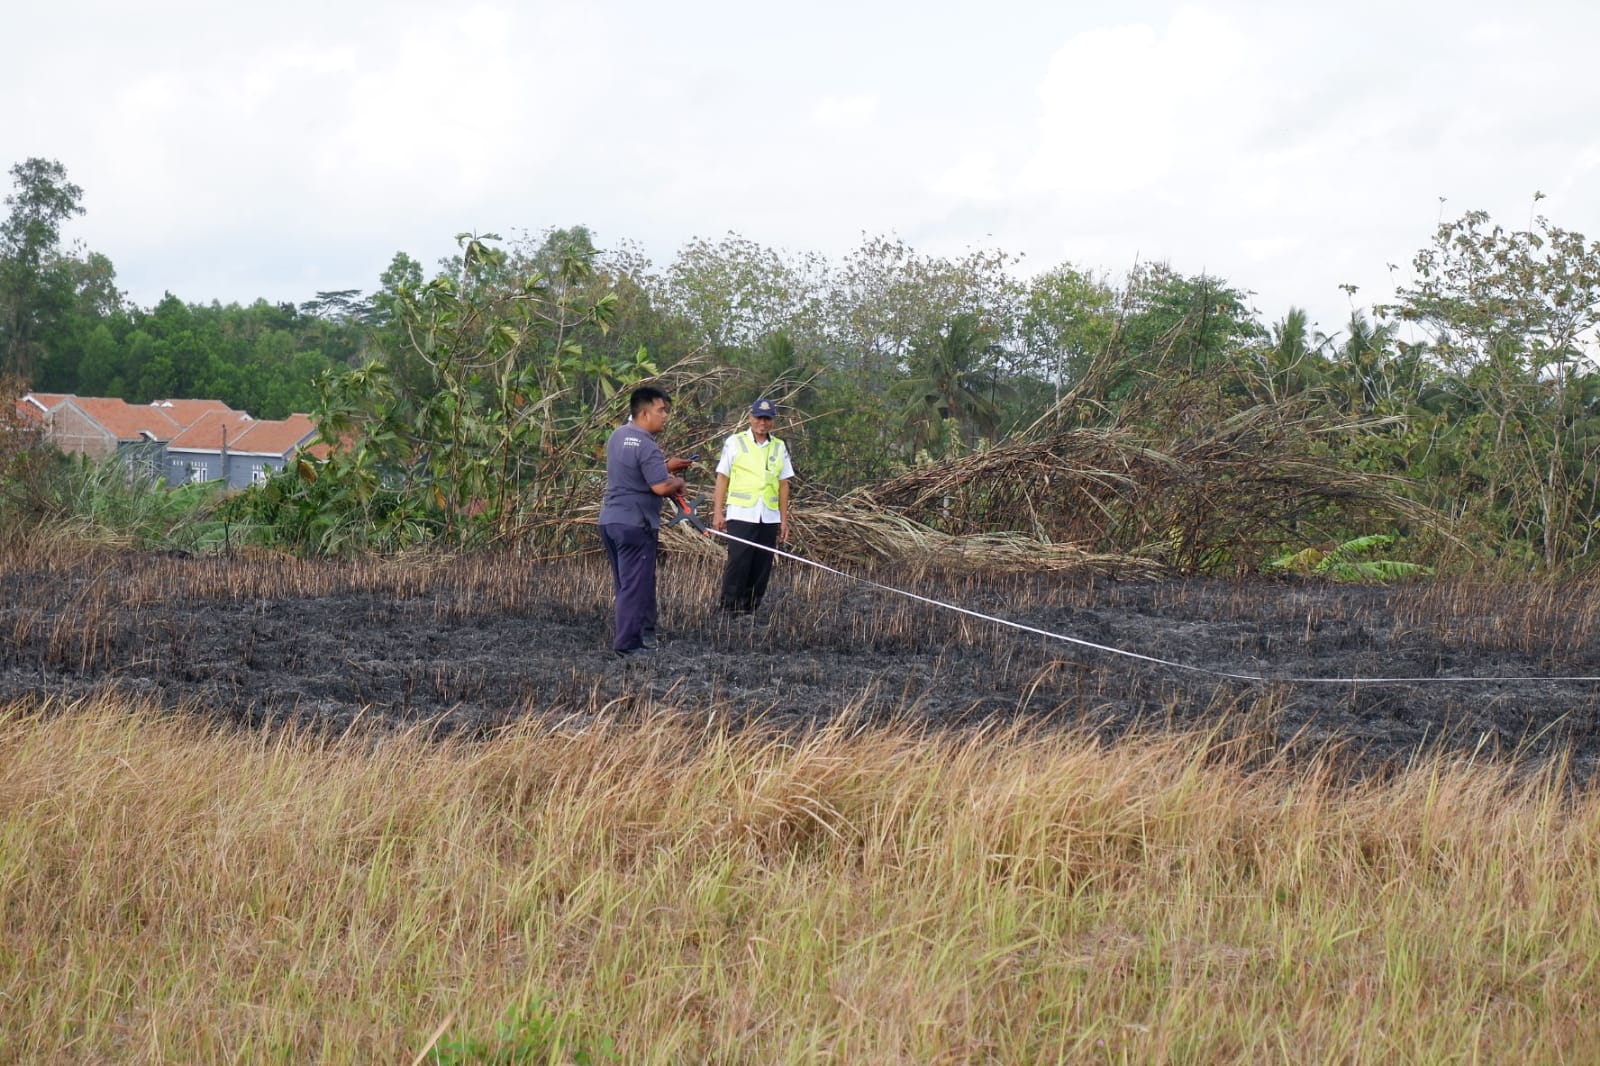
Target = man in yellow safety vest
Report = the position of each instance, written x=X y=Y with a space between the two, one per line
x=752 y=503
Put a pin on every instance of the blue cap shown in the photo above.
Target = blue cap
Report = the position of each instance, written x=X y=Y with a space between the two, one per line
x=764 y=409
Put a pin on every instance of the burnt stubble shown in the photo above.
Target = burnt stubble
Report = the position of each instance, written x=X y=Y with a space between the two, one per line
x=463 y=646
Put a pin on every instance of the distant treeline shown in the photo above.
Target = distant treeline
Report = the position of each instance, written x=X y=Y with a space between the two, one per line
x=1476 y=384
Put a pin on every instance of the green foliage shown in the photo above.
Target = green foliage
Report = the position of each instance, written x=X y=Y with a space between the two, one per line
x=492 y=420
x=1512 y=316
x=530 y=1032
x=1184 y=324
x=886 y=297
x=735 y=292
x=36 y=281
x=262 y=358
x=64 y=325
x=950 y=397
x=340 y=507
x=844 y=447
x=1344 y=562
x=114 y=500
x=1170 y=327
x=1068 y=321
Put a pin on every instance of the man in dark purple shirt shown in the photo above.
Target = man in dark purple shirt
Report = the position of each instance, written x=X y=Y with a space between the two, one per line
x=638 y=476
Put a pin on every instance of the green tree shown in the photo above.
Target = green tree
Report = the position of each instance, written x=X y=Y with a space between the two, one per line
x=735 y=292
x=1068 y=320
x=1170 y=327
x=95 y=283
x=1292 y=360
x=408 y=371
x=886 y=297
x=1185 y=323
x=1511 y=317
x=98 y=368
x=951 y=387
x=36 y=281
x=620 y=284
x=339 y=305
x=494 y=432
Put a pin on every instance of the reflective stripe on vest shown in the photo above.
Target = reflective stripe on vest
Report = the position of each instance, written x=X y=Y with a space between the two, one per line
x=755 y=472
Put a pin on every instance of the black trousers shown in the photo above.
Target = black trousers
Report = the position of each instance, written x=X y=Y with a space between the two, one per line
x=744 y=579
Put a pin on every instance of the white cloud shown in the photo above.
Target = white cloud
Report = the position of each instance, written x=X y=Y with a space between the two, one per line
x=973 y=177
x=846 y=112
x=1123 y=108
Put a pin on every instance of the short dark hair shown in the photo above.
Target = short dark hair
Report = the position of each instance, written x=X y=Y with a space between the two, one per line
x=644 y=396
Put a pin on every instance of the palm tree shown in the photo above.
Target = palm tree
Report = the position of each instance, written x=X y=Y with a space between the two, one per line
x=783 y=370
x=1377 y=378
x=952 y=382
x=1291 y=362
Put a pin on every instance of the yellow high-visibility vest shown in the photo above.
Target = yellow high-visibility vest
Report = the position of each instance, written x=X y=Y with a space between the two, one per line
x=755 y=472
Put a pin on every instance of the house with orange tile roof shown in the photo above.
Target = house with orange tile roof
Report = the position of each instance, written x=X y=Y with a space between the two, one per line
x=188 y=412
x=106 y=428
x=231 y=446
x=181 y=440
x=35 y=406
x=200 y=451
x=271 y=443
x=98 y=426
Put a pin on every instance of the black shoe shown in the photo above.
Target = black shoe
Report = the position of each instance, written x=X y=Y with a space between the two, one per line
x=641 y=653
x=648 y=641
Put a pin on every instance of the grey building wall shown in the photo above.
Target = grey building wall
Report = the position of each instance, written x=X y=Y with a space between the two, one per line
x=145 y=460
x=239 y=470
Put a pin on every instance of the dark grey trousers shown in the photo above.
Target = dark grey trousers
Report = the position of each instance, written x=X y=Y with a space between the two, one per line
x=632 y=551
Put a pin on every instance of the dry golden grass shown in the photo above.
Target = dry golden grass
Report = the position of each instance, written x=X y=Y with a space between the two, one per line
x=177 y=893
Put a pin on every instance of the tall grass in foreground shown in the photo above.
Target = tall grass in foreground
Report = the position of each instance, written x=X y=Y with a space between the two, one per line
x=675 y=893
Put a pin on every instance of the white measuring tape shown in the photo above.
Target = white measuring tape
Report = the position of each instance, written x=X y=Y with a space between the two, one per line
x=1259 y=678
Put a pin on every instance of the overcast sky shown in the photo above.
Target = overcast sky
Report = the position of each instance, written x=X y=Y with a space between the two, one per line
x=234 y=152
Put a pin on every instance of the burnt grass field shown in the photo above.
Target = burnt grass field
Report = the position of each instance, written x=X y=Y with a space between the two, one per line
x=464 y=646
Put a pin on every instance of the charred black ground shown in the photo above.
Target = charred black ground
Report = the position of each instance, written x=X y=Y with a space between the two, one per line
x=466 y=646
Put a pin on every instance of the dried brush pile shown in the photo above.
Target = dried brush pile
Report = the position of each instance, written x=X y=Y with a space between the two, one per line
x=857 y=535
x=1207 y=490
